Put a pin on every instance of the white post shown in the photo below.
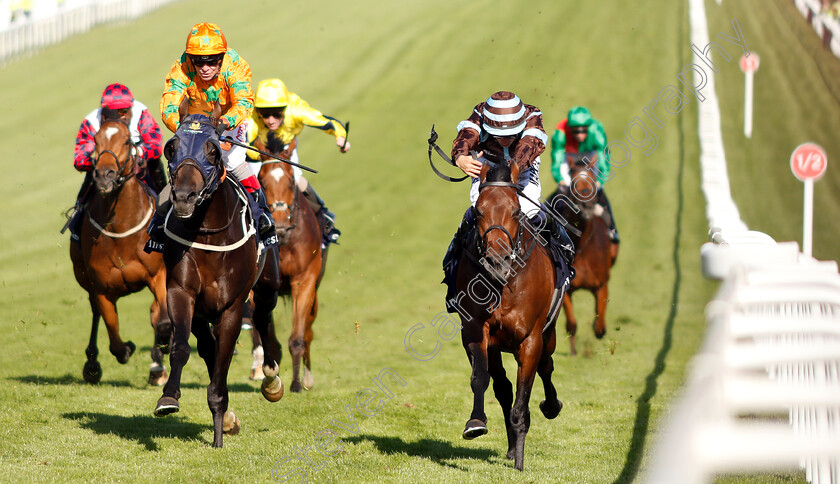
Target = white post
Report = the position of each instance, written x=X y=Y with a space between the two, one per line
x=748 y=103
x=808 y=217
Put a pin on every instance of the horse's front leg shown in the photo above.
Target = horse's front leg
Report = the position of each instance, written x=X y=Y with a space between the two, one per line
x=303 y=297
x=108 y=309
x=571 y=322
x=162 y=327
x=475 y=343
x=503 y=390
x=226 y=332
x=600 y=324
x=529 y=355
x=181 y=305
x=551 y=406
x=265 y=299
x=92 y=371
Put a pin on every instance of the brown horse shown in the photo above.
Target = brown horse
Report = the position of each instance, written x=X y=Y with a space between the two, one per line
x=213 y=261
x=109 y=261
x=302 y=262
x=595 y=253
x=504 y=300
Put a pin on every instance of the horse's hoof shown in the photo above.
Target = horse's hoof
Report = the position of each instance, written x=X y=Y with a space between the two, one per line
x=92 y=371
x=231 y=424
x=157 y=376
x=257 y=374
x=165 y=406
x=475 y=428
x=551 y=411
x=129 y=350
x=295 y=387
x=308 y=380
x=272 y=391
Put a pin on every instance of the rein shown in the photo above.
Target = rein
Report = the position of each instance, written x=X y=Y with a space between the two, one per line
x=433 y=136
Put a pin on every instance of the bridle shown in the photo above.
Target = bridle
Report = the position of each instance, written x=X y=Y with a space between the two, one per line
x=292 y=210
x=211 y=182
x=121 y=165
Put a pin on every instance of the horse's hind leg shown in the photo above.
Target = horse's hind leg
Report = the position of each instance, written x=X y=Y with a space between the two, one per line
x=162 y=327
x=571 y=322
x=551 y=406
x=92 y=371
x=503 y=390
x=121 y=350
x=600 y=324
x=265 y=299
x=226 y=334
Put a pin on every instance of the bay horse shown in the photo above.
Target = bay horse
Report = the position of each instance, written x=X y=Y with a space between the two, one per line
x=109 y=261
x=213 y=261
x=301 y=262
x=595 y=253
x=505 y=283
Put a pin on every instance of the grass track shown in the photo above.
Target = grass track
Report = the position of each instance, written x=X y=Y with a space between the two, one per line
x=393 y=69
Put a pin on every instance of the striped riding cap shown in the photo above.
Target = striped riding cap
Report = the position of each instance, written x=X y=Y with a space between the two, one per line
x=116 y=96
x=504 y=114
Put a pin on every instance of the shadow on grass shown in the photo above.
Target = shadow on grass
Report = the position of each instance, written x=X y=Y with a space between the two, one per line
x=143 y=429
x=642 y=424
x=69 y=379
x=439 y=451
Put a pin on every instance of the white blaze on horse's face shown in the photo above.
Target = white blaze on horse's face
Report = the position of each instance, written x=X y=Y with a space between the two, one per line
x=277 y=174
x=111 y=131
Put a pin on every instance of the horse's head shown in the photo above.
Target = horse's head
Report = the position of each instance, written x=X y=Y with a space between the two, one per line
x=583 y=187
x=113 y=156
x=278 y=182
x=499 y=216
x=195 y=164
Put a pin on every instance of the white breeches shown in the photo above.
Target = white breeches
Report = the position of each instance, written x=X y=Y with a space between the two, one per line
x=529 y=180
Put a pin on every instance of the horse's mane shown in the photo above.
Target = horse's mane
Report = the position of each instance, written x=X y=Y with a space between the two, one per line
x=499 y=172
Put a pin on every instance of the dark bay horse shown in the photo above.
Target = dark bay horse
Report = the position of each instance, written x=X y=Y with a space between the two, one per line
x=301 y=262
x=213 y=261
x=595 y=253
x=109 y=261
x=505 y=283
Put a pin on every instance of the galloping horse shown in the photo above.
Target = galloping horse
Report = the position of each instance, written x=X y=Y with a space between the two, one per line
x=507 y=279
x=213 y=260
x=595 y=254
x=302 y=261
x=109 y=261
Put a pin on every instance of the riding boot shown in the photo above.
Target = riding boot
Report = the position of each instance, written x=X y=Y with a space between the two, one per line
x=262 y=214
x=453 y=256
x=559 y=242
x=608 y=215
x=155 y=176
x=74 y=214
x=326 y=219
x=155 y=230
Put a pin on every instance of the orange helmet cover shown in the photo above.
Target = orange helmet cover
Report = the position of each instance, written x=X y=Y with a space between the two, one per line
x=206 y=39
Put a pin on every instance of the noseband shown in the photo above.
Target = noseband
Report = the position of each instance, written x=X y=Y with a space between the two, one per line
x=292 y=212
x=211 y=183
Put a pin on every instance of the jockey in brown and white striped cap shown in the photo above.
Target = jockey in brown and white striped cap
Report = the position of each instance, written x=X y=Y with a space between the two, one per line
x=503 y=129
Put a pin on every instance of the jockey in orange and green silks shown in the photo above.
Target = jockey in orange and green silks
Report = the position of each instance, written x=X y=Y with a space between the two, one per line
x=567 y=139
x=208 y=72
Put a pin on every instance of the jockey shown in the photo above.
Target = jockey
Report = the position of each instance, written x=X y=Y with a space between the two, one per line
x=501 y=130
x=117 y=103
x=581 y=133
x=278 y=119
x=208 y=71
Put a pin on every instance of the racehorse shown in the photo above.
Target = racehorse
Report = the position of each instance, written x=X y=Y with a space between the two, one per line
x=213 y=261
x=302 y=262
x=595 y=253
x=507 y=280
x=109 y=261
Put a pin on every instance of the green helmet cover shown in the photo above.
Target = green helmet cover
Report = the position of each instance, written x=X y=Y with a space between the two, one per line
x=579 y=116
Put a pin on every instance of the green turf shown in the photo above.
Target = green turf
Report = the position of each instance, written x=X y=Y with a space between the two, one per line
x=393 y=69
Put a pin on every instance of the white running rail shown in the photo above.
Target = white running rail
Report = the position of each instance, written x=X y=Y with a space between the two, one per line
x=47 y=22
x=763 y=393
